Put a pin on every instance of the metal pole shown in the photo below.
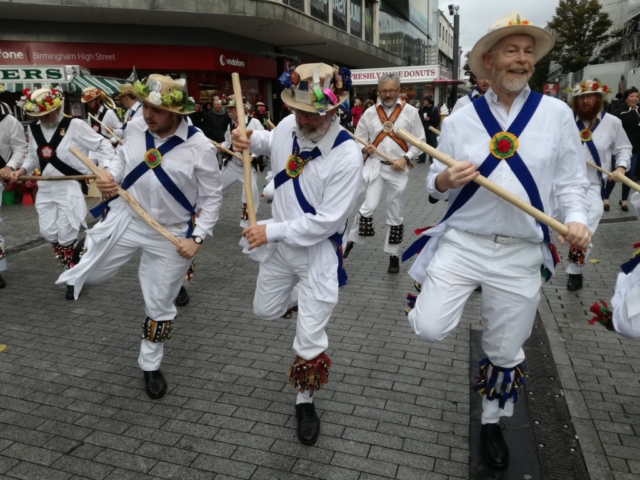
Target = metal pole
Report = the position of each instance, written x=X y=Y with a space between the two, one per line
x=456 y=56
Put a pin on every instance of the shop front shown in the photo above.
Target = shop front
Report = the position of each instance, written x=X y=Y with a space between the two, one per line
x=416 y=82
x=206 y=70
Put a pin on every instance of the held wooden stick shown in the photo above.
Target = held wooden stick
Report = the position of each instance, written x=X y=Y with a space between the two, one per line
x=435 y=130
x=37 y=178
x=488 y=184
x=226 y=150
x=109 y=131
x=270 y=124
x=623 y=178
x=128 y=198
x=246 y=156
x=359 y=140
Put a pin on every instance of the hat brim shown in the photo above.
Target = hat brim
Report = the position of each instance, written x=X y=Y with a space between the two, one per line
x=288 y=98
x=42 y=114
x=603 y=95
x=162 y=106
x=544 y=43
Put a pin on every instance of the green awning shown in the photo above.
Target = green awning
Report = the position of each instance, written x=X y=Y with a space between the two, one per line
x=76 y=85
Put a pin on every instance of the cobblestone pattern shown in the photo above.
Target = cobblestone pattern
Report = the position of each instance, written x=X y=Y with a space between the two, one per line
x=72 y=400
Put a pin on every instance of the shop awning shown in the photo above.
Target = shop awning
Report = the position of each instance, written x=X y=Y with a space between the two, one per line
x=77 y=84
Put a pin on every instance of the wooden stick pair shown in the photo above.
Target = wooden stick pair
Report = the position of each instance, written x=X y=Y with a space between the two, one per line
x=488 y=184
x=109 y=131
x=101 y=174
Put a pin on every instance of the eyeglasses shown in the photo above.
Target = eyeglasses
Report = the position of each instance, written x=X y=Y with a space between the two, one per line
x=388 y=92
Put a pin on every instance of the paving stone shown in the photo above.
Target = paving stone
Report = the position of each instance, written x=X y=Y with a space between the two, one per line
x=32 y=454
x=30 y=471
x=126 y=460
x=84 y=468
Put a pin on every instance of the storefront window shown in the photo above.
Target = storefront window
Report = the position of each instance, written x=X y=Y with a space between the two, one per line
x=356 y=18
x=368 y=20
x=401 y=38
x=320 y=9
x=297 y=4
x=340 y=14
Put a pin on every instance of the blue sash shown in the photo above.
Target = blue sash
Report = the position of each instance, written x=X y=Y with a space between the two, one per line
x=282 y=177
x=592 y=148
x=515 y=162
x=161 y=175
x=124 y=127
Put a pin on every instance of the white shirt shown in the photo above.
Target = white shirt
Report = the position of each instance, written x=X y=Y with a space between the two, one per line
x=134 y=112
x=4 y=108
x=462 y=101
x=331 y=184
x=13 y=145
x=192 y=166
x=111 y=120
x=252 y=124
x=370 y=126
x=548 y=146
x=80 y=135
x=609 y=139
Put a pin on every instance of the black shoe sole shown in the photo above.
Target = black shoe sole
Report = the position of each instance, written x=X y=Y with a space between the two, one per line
x=182 y=303
x=393 y=271
x=158 y=395
x=308 y=442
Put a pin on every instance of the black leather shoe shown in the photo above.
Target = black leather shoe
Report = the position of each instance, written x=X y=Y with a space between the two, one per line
x=308 y=423
x=624 y=208
x=348 y=248
x=2 y=283
x=183 y=297
x=494 y=448
x=478 y=289
x=70 y=293
x=156 y=385
x=574 y=283
x=394 y=264
x=606 y=207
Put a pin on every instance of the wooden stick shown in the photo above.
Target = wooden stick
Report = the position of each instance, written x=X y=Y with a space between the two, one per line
x=435 y=130
x=246 y=156
x=623 y=178
x=488 y=184
x=38 y=178
x=127 y=198
x=359 y=140
x=109 y=131
x=226 y=150
x=270 y=124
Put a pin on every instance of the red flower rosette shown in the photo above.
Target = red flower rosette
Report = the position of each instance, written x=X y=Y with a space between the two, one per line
x=503 y=145
x=602 y=315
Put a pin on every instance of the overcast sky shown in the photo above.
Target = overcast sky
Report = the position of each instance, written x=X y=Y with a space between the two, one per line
x=477 y=15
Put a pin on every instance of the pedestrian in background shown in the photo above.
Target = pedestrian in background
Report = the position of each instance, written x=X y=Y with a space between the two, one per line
x=356 y=112
x=218 y=120
x=430 y=117
x=367 y=104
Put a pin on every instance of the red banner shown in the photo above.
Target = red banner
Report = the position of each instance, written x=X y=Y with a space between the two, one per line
x=145 y=57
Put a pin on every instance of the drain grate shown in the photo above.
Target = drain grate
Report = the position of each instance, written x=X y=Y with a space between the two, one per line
x=559 y=454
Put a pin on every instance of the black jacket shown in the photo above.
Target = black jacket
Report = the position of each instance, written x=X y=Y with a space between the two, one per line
x=434 y=117
x=631 y=124
x=218 y=123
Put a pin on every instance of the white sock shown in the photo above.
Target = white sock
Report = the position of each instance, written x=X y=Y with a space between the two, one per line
x=304 y=397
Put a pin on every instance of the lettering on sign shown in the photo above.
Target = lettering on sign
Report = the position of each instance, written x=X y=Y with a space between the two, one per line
x=416 y=74
x=10 y=74
x=234 y=62
x=5 y=55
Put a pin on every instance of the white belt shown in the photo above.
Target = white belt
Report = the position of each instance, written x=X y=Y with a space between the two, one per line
x=501 y=239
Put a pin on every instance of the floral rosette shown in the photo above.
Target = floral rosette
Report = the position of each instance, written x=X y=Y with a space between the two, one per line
x=47 y=103
x=294 y=166
x=588 y=86
x=503 y=145
x=173 y=98
x=586 y=135
x=322 y=97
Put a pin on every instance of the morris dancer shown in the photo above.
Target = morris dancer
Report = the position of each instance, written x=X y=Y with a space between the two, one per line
x=61 y=205
x=13 y=148
x=101 y=107
x=378 y=125
x=170 y=168
x=318 y=181
x=232 y=167
x=131 y=103
x=481 y=85
x=526 y=143
x=602 y=136
x=4 y=108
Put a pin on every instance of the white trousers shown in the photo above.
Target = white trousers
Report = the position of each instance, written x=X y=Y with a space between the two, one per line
x=61 y=211
x=595 y=214
x=161 y=273
x=283 y=282
x=232 y=173
x=510 y=280
x=3 y=260
x=395 y=184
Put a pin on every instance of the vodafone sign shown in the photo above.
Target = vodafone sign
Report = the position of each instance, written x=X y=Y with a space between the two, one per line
x=234 y=62
x=415 y=74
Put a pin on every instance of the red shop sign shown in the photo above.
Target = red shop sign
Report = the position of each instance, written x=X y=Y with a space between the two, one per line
x=144 y=57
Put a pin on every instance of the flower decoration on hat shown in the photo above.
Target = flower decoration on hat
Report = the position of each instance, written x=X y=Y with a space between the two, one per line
x=503 y=145
x=161 y=95
x=45 y=99
x=588 y=86
x=518 y=20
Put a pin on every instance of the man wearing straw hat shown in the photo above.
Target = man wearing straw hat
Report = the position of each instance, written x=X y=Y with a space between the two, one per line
x=526 y=143
x=480 y=87
x=61 y=205
x=602 y=138
x=232 y=170
x=131 y=103
x=318 y=179
x=101 y=107
x=13 y=148
x=378 y=126
x=170 y=169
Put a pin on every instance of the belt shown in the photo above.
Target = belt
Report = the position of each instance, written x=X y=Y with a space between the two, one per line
x=384 y=162
x=501 y=239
